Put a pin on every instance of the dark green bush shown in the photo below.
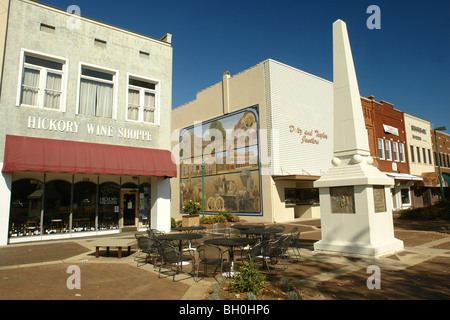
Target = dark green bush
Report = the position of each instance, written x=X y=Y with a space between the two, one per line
x=249 y=279
x=440 y=210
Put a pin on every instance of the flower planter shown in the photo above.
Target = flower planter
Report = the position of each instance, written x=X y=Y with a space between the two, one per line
x=190 y=220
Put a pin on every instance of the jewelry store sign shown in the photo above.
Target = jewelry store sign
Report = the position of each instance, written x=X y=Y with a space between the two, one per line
x=76 y=127
x=308 y=136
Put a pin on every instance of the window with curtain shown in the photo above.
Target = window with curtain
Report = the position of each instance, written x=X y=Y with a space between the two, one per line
x=141 y=100
x=395 y=149
x=381 y=148
x=388 y=150
x=402 y=152
x=42 y=83
x=96 y=93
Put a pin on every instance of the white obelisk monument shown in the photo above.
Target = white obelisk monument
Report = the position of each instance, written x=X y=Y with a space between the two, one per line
x=355 y=200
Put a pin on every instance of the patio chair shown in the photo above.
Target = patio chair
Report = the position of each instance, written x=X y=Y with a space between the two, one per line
x=146 y=249
x=270 y=251
x=218 y=229
x=209 y=255
x=280 y=228
x=170 y=256
x=294 y=243
x=154 y=233
x=234 y=233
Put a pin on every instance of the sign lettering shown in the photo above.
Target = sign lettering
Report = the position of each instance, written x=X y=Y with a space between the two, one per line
x=75 y=127
x=308 y=136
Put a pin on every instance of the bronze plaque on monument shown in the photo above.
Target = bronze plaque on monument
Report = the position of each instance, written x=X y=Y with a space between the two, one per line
x=342 y=200
x=379 y=198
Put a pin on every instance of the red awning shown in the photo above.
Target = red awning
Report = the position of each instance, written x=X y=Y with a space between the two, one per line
x=48 y=155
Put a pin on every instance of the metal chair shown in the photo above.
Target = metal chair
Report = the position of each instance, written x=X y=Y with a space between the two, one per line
x=294 y=243
x=270 y=251
x=154 y=233
x=171 y=256
x=146 y=249
x=209 y=256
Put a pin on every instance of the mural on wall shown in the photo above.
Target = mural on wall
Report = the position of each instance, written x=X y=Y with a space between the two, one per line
x=228 y=148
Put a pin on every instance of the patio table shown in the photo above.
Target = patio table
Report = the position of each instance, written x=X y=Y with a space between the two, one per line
x=247 y=226
x=263 y=233
x=190 y=229
x=231 y=243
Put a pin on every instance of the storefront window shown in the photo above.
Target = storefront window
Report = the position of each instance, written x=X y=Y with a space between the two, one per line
x=405 y=196
x=144 y=205
x=57 y=207
x=109 y=206
x=305 y=196
x=84 y=203
x=26 y=206
x=289 y=196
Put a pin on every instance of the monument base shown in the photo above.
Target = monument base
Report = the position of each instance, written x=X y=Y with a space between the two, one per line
x=356 y=249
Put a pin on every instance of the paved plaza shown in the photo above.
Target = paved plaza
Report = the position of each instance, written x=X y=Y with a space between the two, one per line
x=38 y=271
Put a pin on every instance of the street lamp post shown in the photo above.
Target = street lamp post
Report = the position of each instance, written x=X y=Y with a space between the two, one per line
x=439 y=160
x=203 y=190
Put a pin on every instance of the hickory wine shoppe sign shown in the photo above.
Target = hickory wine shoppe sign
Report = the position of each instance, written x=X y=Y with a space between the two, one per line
x=76 y=127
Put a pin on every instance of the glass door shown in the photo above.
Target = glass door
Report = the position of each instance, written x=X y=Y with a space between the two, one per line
x=129 y=207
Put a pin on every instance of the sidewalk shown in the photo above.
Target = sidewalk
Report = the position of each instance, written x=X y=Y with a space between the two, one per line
x=38 y=271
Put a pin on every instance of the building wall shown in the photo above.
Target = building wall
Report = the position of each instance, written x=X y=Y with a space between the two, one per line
x=443 y=141
x=44 y=32
x=28 y=31
x=234 y=93
x=295 y=113
x=301 y=109
x=419 y=142
x=377 y=116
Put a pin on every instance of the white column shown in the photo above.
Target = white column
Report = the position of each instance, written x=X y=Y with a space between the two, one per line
x=5 y=202
x=160 y=214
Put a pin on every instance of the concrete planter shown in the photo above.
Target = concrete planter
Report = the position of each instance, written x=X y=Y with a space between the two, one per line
x=190 y=220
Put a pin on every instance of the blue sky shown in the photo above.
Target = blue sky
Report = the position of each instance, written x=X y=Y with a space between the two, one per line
x=406 y=62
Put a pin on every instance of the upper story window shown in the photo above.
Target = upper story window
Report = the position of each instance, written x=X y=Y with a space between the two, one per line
x=42 y=82
x=388 y=150
x=402 y=152
x=381 y=148
x=142 y=100
x=395 y=150
x=97 y=92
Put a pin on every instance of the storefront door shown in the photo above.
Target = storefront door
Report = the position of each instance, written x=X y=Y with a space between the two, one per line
x=129 y=207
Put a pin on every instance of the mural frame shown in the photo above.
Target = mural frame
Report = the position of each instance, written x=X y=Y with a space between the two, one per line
x=228 y=187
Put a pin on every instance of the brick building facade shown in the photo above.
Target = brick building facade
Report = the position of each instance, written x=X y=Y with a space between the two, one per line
x=388 y=147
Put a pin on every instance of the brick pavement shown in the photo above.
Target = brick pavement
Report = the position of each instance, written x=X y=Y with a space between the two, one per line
x=38 y=271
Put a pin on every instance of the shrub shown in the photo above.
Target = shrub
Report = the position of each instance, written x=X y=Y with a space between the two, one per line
x=174 y=223
x=251 y=296
x=249 y=279
x=207 y=220
x=221 y=217
x=192 y=208
x=440 y=210
x=214 y=296
x=292 y=295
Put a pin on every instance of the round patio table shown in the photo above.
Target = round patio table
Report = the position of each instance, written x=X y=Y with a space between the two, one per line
x=231 y=243
x=247 y=226
x=190 y=229
x=180 y=237
x=264 y=233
